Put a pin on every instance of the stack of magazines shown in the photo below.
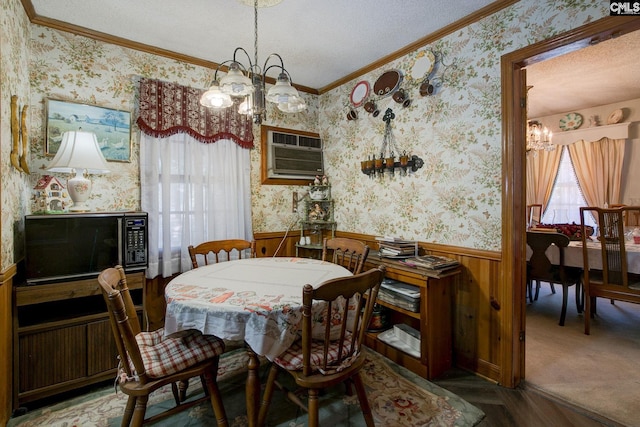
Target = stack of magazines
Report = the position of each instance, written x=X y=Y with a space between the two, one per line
x=391 y=247
x=433 y=262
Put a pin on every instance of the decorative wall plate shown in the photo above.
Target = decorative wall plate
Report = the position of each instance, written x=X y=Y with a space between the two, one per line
x=614 y=117
x=571 y=121
x=423 y=66
x=359 y=93
x=387 y=83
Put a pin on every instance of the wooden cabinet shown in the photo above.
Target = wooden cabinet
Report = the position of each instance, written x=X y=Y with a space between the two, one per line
x=63 y=338
x=434 y=319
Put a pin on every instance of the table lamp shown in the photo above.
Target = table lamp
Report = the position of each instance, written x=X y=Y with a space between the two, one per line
x=79 y=152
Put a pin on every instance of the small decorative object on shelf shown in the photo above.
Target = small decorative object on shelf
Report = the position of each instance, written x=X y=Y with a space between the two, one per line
x=317 y=215
x=387 y=160
x=50 y=196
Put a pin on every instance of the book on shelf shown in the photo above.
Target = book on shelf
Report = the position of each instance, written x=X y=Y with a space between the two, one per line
x=434 y=262
x=394 y=247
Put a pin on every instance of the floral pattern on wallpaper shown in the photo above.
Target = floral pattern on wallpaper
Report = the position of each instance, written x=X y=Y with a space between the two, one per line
x=455 y=199
x=14 y=69
x=68 y=67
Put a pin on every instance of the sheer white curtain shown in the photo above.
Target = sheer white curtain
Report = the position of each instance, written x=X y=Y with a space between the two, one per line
x=193 y=192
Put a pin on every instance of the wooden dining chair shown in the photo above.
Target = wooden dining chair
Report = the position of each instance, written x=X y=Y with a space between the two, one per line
x=349 y=253
x=221 y=250
x=613 y=281
x=540 y=268
x=330 y=351
x=149 y=360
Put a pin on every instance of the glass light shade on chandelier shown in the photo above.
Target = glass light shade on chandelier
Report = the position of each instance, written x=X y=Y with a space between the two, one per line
x=249 y=82
x=235 y=83
x=539 y=137
x=215 y=98
x=282 y=91
x=79 y=153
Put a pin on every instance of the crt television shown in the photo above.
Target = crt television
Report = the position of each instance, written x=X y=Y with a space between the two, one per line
x=80 y=245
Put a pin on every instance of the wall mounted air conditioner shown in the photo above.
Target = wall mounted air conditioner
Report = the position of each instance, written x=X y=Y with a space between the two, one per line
x=293 y=154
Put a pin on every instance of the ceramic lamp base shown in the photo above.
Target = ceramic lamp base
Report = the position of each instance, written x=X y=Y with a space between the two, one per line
x=79 y=189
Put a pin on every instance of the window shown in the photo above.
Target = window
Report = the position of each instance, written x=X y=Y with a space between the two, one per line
x=566 y=196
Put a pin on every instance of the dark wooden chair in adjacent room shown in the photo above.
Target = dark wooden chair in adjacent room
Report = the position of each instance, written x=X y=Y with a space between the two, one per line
x=149 y=360
x=540 y=268
x=349 y=253
x=613 y=280
x=221 y=250
x=330 y=350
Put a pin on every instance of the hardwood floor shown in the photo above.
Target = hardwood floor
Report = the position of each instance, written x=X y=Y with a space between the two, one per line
x=522 y=407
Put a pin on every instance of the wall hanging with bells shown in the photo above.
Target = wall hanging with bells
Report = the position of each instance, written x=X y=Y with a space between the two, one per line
x=387 y=162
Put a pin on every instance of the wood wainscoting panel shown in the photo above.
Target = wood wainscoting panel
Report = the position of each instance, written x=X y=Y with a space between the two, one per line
x=477 y=314
x=6 y=343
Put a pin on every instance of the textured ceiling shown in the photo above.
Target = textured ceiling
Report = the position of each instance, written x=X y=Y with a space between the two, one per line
x=321 y=41
x=605 y=73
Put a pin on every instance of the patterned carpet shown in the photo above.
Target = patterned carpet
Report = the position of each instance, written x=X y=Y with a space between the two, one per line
x=397 y=398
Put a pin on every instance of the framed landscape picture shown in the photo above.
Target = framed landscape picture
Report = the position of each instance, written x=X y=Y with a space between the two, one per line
x=112 y=127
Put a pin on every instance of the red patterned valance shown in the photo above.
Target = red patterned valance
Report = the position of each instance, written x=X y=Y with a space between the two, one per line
x=169 y=108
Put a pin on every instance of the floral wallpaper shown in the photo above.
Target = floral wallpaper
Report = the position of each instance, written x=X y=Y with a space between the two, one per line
x=14 y=72
x=453 y=199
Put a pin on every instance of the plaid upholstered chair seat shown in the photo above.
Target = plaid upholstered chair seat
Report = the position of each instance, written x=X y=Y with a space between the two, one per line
x=163 y=356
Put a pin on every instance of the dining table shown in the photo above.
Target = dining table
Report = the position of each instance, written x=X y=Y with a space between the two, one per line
x=573 y=256
x=255 y=300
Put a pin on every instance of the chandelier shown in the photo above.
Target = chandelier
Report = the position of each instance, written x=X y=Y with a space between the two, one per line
x=539 y=137
x=244 y=86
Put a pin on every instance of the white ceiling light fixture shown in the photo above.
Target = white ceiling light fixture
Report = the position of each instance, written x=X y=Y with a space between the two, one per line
x=246 y=85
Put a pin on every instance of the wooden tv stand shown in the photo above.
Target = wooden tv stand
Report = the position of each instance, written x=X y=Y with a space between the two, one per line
x=63 y=338
x=434 y=319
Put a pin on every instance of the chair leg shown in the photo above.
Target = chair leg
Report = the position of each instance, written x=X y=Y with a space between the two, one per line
x=579 y=297
x=314 y=418
x=267 y=394
x=182 y=389
x=214 y=395
x=128 y=411
x=553 y=288
x=587 y=315
x=563 y=312
x=139 y=411
x=537 y=290
x=362 y=397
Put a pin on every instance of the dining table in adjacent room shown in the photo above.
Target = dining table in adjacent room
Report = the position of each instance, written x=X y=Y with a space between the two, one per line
x=255 y=300
x=573 y=256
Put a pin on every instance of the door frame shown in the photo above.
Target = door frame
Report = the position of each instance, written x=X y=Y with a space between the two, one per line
x=514 y=173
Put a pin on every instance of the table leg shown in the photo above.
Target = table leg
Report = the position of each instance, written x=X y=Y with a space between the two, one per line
x=252 y=388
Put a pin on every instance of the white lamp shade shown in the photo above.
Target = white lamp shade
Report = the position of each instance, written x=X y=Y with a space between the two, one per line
x=214 y=98
x=282 y=91
x=235 y=83
x=295 y=105
x=79 y=150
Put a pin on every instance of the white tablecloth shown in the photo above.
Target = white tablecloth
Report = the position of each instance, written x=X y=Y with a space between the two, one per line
x=257 y=300
x=573 y=255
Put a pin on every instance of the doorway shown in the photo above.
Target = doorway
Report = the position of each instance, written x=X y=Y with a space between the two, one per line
x=513 y=148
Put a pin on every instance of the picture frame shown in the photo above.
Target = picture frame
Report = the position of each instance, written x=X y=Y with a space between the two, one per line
x=112 y=127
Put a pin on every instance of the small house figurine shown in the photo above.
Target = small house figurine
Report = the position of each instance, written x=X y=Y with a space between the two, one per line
x=50 y=195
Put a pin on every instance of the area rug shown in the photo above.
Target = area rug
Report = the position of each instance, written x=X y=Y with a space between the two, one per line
x=397 y=398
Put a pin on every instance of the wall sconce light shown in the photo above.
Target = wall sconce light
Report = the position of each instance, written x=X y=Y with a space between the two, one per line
x=387 y=161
